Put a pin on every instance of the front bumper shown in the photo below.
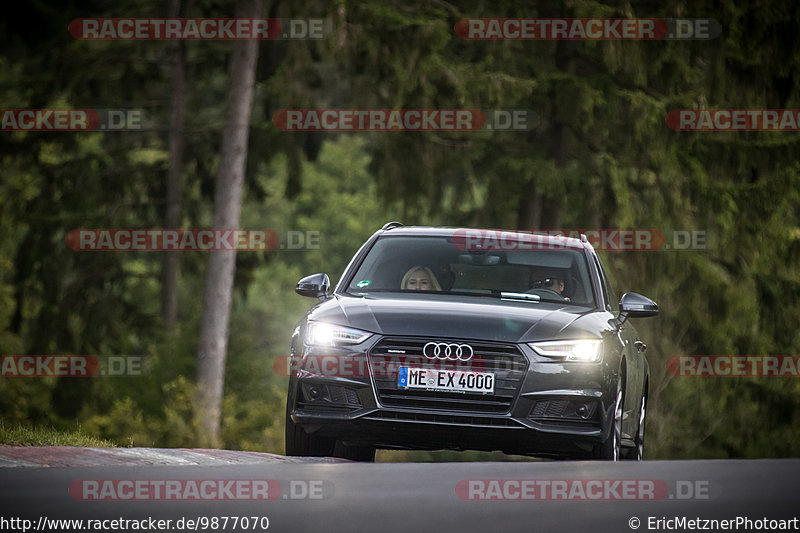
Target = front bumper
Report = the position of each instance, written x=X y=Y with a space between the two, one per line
x=554 y=410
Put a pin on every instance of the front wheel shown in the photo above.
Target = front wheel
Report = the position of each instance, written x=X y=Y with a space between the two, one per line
x=637 y=452
x=364 y=454
x=609 y=450
x=300 y=443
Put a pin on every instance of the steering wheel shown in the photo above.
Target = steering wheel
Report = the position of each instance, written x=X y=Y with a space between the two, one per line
x=545 y=293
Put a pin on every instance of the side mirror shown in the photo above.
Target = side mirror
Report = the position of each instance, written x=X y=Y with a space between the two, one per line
x=634 y=305
x=314 y=286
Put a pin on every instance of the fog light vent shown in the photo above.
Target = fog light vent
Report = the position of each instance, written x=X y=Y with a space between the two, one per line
x=330 y=394
x=564 y=410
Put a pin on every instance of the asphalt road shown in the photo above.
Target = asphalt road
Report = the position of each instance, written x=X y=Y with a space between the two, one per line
x=335 y=496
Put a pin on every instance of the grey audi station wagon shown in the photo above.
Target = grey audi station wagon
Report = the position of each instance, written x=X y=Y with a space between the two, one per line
x=465 y=339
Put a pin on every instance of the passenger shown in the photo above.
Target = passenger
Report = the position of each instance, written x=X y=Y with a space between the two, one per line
x=420 y=278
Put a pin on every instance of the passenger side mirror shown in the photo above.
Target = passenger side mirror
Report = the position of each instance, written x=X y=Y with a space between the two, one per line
x=314 y=286
x=634 y=305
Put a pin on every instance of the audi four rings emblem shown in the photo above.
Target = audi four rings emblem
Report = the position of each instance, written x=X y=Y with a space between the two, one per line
x=443 y=350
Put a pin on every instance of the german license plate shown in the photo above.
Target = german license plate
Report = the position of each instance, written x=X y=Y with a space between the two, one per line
x=445 y=380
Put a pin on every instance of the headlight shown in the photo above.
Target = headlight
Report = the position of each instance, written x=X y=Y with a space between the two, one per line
x=323 y=334
x=578 y=350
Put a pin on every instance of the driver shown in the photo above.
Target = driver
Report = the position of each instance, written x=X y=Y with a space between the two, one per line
x=554 y=282
x=420 y=278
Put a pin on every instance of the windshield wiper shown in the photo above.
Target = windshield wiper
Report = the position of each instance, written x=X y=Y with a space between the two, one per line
x=484 y=293
x=532 y=298
x=520 y=296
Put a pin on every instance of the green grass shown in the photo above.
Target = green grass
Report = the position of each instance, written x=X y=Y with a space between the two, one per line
x=19 y=435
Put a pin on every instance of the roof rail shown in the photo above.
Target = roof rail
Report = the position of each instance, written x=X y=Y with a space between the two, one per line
x=390 y=225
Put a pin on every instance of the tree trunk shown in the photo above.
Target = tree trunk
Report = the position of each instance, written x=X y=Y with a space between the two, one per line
x=537 y=210
x=172 y=219
x=221 y=267
x=529 y=210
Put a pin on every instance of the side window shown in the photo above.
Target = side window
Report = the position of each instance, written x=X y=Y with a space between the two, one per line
x=608 y=292
x=612 y=296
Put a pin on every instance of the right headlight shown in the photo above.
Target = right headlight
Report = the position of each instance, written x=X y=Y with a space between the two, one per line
x=583 y=350
x=324 y=334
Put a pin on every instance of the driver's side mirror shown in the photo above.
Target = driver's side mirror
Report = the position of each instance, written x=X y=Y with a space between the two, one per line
x=634 y=305
x=314 y=286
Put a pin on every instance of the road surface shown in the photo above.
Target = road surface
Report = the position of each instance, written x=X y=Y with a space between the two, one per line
x=328 y=495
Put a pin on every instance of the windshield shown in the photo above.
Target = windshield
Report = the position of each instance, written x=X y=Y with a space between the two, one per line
x=404 y=264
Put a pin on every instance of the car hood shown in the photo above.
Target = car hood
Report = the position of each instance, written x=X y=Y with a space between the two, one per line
x=458 y=317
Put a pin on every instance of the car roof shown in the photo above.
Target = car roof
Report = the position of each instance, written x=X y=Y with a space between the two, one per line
x=558 y=241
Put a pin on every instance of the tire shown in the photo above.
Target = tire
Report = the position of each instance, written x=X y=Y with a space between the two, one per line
x=637 y=452
x=300 y=443
x=609 y=450
x=364 y=454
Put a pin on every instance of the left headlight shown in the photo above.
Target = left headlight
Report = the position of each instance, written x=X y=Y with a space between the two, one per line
x=324 y=334
x=585 y=350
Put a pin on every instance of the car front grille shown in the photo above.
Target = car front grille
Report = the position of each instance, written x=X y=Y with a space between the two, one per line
x=505 y=361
